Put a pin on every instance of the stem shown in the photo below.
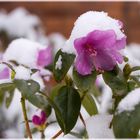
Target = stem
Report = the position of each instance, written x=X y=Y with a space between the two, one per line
x=82 y=119
x=26 y=118
x=57 y=134
x=42 y=135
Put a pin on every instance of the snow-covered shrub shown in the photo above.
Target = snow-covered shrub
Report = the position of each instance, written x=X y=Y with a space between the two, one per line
x=85 y=87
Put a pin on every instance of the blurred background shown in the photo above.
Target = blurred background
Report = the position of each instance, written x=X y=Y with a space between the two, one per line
x=51 y=23
x=60 y=16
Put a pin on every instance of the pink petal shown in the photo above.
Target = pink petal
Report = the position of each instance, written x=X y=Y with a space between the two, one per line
x=120 y=44
x=83 y=64
x=44 y=57
x=102 y=39
x=5 y=73
x=43 y=117
x=79 y=44
x=104 y=61
x=36 y=120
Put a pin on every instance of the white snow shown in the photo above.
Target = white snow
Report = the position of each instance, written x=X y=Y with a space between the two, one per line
x=132 y=51
x=90 y=21
x=23 y=51
x=22 y=73
x=130 y=101
x=13 y=23
x=98 y=126
x=57 y=41
x=106 y=96
x=36 y=77
x=59 y=63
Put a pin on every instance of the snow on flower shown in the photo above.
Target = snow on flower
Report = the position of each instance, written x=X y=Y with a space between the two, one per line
x=27 y=53
x=39 y=120
x=130 y=101
x=97 y=40
x=98 y=126
x=22 y=73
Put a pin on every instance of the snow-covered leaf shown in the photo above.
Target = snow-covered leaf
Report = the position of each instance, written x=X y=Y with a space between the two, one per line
x=126 y=121
x=62 y=63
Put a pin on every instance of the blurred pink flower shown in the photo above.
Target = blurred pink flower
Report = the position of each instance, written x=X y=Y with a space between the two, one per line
x=44 y=57
x=98 y=50
x=39 y=120
x=5 y=73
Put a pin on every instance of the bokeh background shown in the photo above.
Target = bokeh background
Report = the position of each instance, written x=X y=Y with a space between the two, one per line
x=60 y=16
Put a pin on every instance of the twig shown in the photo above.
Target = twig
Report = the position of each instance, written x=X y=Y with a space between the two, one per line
x=81 y=117
x=57 y=134
x=42 y=135
x=26 y=118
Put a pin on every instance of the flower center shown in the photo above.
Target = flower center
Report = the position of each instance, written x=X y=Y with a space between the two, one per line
x=91 y=50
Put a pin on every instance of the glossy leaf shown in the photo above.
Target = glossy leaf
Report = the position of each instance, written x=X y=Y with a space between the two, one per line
x=127 y=124
x=9 y=98
x=28 y=90
x=6 y=88
x=84 y=83
x=67 y=60
x=115 y=80
x=90 y=105
x=69 y=103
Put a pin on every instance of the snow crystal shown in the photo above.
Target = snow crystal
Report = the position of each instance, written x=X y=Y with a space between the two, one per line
x=59 y=63
x=130 y=101
x=90 y=21
x=98 y=126
x=22 y=73
x=23 y=51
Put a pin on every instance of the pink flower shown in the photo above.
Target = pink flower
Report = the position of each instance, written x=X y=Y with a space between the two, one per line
x=44 y=57
x=5 y=73
x=39 y=120
x=98 y=50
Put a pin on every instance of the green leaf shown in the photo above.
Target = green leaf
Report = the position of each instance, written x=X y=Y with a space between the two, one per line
x=68 y=102
x=115 y=80
x=6 y=88
x=40 y=102
x=55 y=90
x=90 y=105
x=27 y=88
x=127 y=123
x=84 y=83
x=67 y=60
x=9 y=98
